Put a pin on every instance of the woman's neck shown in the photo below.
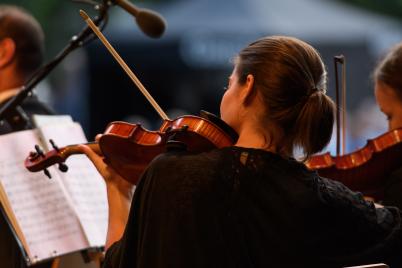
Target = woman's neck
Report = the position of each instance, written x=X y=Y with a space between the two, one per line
x=254 y=137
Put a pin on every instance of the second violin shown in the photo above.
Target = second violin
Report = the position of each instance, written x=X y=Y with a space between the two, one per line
x=365 y=169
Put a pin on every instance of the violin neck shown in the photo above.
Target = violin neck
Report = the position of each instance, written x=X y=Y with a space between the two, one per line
x=73 y=149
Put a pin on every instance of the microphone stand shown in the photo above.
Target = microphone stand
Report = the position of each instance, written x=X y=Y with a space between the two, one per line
x=12 y=111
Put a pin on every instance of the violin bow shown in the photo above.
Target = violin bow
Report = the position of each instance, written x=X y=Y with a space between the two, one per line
x=341 y=60
x=125 y=67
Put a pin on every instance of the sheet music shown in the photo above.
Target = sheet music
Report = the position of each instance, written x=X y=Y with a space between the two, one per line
x=47 y=221
x=41 y=120
x=83 y=183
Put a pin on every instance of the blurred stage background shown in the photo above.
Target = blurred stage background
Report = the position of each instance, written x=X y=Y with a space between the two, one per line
x=187 y=68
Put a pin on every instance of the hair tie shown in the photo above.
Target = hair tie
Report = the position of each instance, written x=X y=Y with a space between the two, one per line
x=306 y=97
x=315 y=93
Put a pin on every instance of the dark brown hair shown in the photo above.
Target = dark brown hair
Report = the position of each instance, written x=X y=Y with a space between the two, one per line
x=389 y=70
x=291 y=78
x=17 y=24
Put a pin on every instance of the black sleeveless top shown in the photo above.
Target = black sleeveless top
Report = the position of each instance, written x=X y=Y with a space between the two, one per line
x=238 y=207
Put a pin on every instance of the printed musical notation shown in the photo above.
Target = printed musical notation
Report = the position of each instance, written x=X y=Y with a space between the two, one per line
x=83 y=183
x=88 y=193
x=64 y=214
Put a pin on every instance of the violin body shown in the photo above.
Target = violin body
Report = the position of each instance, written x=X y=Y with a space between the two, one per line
x=129 y=148
x=366 y=169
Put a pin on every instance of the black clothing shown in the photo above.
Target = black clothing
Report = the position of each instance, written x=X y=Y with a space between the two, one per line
x=393 y=189
x=239 y=207
x=10 y=252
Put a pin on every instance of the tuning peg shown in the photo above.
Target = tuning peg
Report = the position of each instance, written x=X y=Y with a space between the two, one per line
x=39 y=150
x=47 y=173
x=63 y=167
x=54 y=145
x=33 y=155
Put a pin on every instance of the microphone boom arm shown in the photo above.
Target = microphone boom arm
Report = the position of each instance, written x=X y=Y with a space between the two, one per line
x=8 y=110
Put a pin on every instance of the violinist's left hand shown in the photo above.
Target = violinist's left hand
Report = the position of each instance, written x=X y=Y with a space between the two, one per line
x=111 y=177
x=119 y=192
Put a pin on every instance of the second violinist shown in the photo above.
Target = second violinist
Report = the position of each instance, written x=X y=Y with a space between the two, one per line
x=252 y=204
x=388 y=93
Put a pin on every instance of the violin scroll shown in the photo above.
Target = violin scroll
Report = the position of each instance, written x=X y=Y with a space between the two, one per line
x=38 y=160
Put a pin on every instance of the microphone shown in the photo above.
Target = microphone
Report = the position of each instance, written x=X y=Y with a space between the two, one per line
x=150 y=22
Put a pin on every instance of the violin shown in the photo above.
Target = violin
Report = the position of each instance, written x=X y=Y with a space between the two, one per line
x=364 y=170
x=129 y=148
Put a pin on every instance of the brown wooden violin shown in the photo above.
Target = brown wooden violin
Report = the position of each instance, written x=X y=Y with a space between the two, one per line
x=366 y=169
x=129 y=148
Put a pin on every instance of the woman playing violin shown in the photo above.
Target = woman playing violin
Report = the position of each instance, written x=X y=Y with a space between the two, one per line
x=252 y=204
x=388 y=93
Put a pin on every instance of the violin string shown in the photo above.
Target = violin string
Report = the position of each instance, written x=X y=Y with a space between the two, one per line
x=125 y=67
x=343 y=105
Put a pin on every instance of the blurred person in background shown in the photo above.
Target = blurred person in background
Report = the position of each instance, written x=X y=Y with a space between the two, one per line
x=21 y=54
x=388 y=93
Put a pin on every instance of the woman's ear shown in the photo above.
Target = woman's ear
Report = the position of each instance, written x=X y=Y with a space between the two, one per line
x=7 y=51
x=248 y=91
